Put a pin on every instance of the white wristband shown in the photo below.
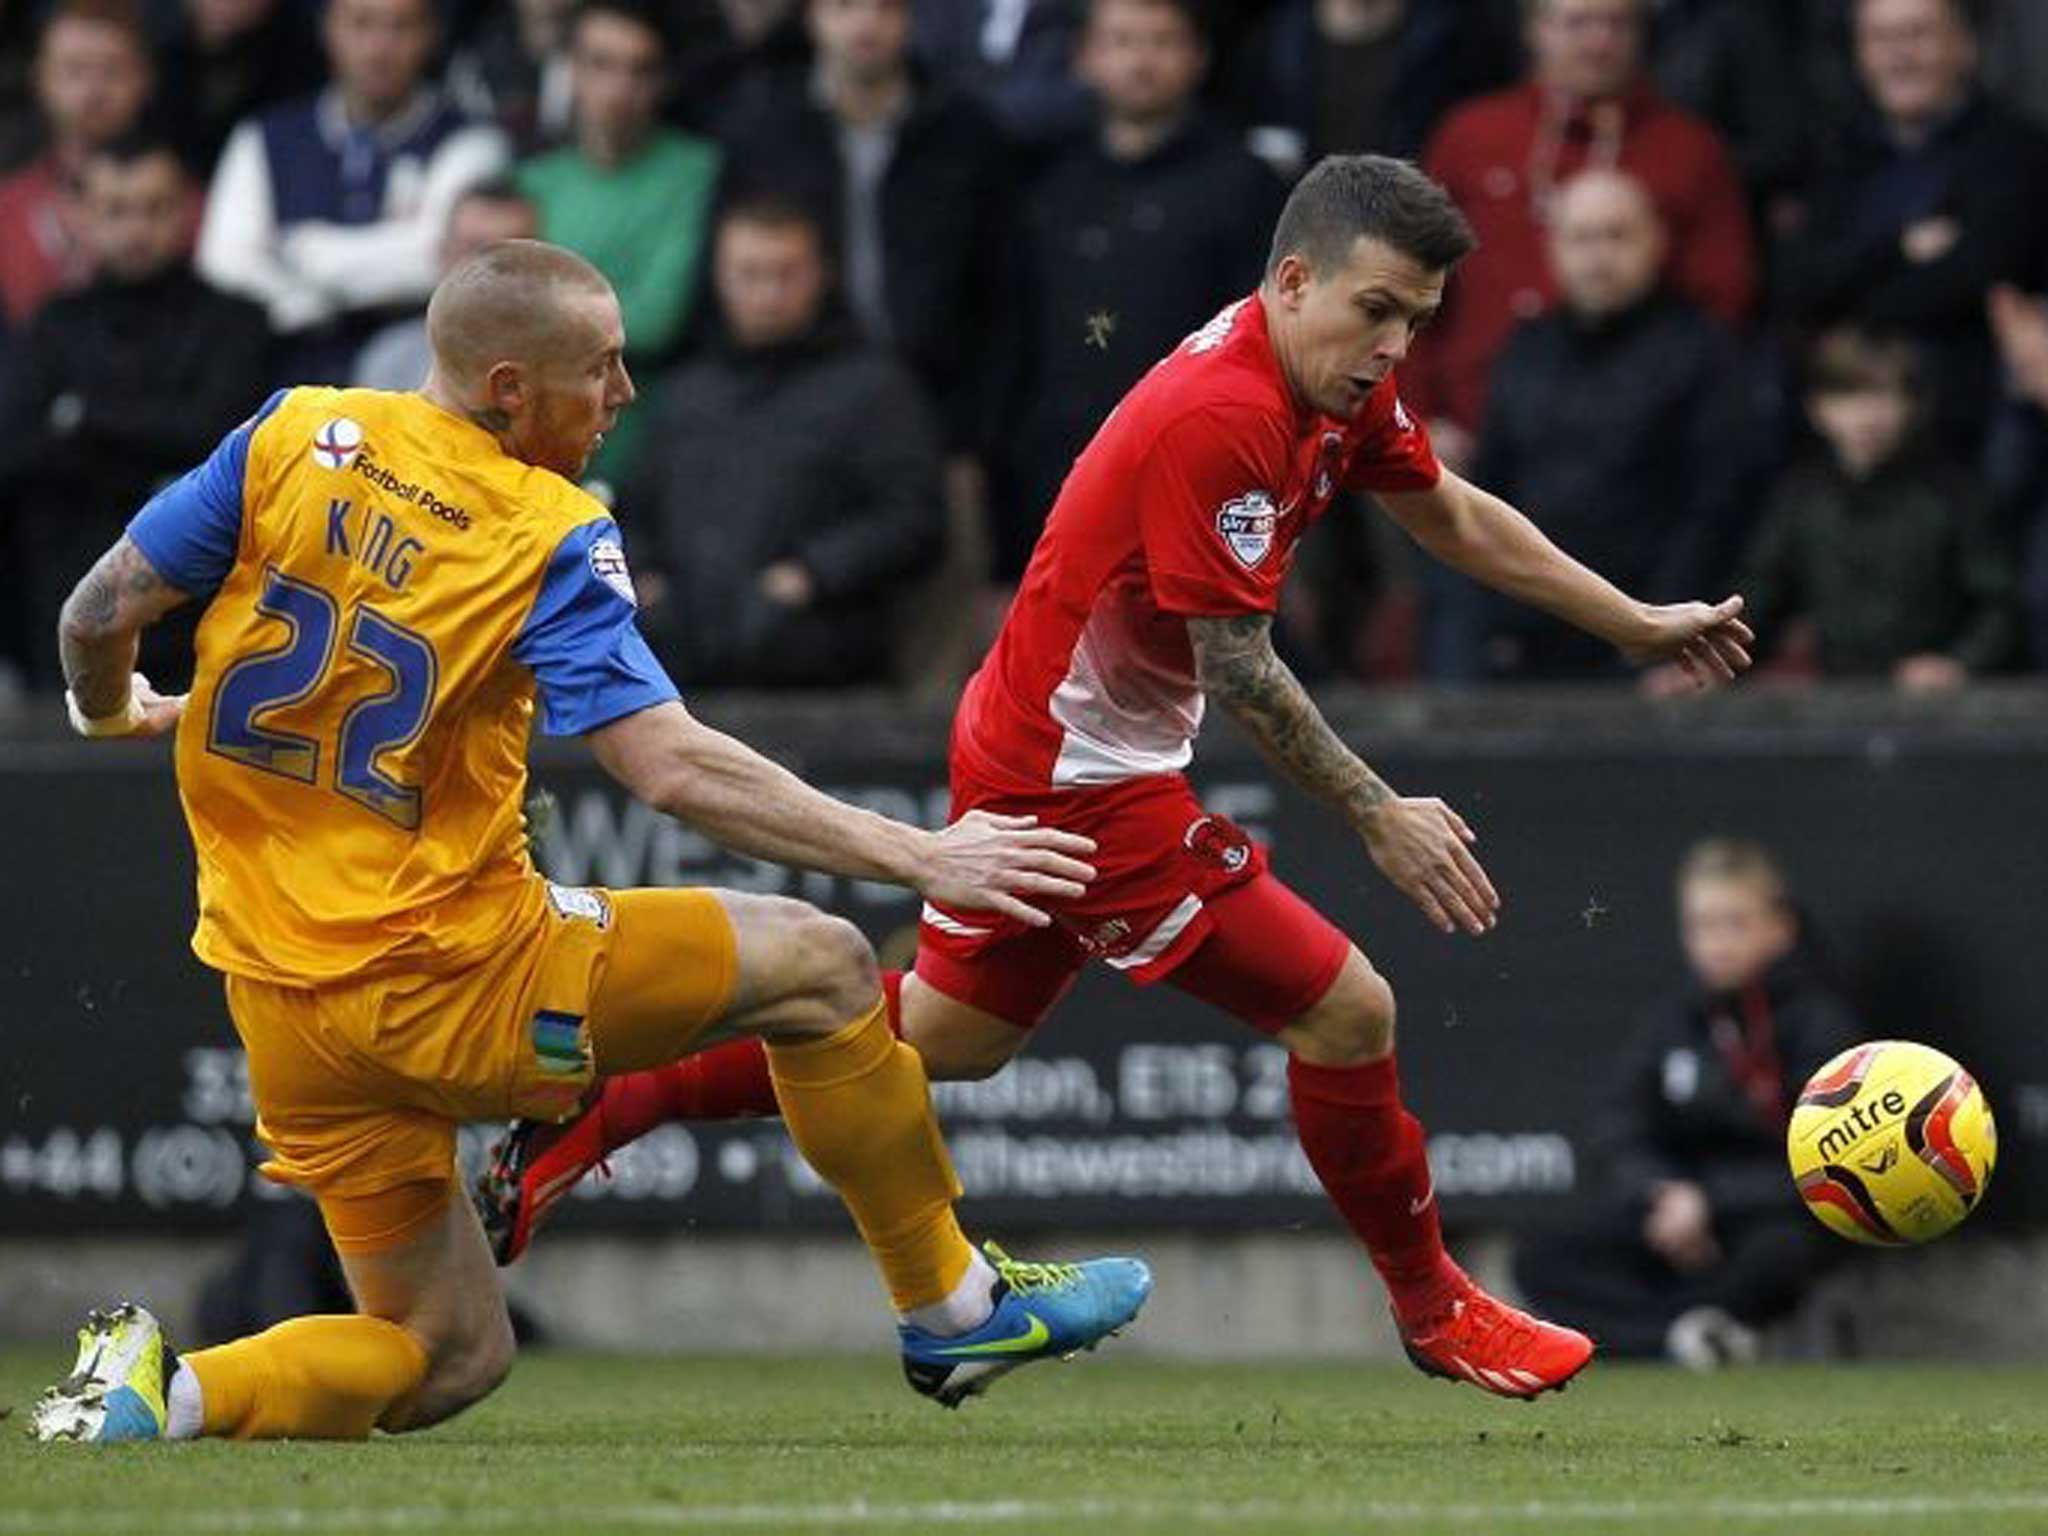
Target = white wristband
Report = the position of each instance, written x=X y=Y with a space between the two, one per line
x=122 y=724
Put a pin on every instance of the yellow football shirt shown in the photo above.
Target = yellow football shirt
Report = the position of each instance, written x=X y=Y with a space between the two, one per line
x=389 y=591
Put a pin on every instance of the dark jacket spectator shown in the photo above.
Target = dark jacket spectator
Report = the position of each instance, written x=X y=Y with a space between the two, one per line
x=1013 y=57
x=1617 y=422
x=1922 y=200
x=1346 y=77
x=1889 y=551
x=514 y=71
x=910 y=182
x=1734 y=64
x=116 y=389
x=1693 y=1236
x=798 y=484
x=1133 y=237
x=1503 y=158
x=222 y=63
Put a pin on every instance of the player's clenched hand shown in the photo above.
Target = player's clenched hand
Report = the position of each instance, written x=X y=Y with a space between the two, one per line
x=1708 y=641
x=1425 y=848
x=993 y=863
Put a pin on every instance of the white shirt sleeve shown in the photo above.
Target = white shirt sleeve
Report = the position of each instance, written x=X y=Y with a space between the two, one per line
x=238 y=244
x=396 y=260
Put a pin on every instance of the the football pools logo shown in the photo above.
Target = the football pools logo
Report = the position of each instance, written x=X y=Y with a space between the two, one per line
x=608 y=565
x=337 y=443
x=1246 y=526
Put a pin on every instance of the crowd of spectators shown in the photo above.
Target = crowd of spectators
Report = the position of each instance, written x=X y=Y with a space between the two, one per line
x=1761 y=299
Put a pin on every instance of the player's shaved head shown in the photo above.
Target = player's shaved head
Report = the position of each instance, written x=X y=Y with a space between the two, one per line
x=506 y=304
x=528 y=344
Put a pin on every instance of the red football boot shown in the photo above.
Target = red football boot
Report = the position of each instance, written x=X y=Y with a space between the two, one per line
x=533 y=1167
x=1496 y=1347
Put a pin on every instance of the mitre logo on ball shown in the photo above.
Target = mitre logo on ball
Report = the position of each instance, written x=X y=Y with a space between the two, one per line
x=1246 y=525
x=337 y=443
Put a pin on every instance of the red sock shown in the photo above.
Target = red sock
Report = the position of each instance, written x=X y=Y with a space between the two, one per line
x=727 y=1082
x=1369 y=1154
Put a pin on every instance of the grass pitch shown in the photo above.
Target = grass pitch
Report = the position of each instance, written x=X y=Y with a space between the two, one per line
x=1115 y=1446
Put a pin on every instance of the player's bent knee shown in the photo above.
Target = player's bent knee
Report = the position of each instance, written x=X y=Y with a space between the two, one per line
x=1353 y=1023
x=460 y=1372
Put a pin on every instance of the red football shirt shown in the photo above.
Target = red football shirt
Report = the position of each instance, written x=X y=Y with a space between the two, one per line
x=1189 y=502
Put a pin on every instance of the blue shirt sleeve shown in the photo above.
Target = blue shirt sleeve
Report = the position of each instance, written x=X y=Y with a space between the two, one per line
x=589 y=657
x=188 y=530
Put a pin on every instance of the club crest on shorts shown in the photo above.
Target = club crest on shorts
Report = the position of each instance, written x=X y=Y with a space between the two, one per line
x=1106 y=939
x=337 y=443
x=608 y=565
x=1246 y=526
x=1216 y=841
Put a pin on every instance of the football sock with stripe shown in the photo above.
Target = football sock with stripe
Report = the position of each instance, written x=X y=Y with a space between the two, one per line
x=857 y=1106
x=312 y=1378
x=1370 y=1156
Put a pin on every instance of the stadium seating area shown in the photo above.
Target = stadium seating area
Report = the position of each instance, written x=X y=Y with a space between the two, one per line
x=1762 y=298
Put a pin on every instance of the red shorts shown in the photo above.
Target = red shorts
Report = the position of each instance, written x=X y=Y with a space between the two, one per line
x=1172 y=880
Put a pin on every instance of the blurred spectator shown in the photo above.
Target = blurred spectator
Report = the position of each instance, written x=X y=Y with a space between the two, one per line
x=2016 y=57
x=1697 y=1238
x=1735 y=65
x=225 y=60
x=1923 y=198
x=514 y=71
x=1134 y=236
x=631 y=196
x=329 y=211
x=2019 y=451
x=1014 y=57
x=1343 y=77
x=1889 y=551
x=20 y=122
x=1616 y=422
x=910 y=180
x=92 y=79
x=397 y=356
x=798 y=484
x=118 y=387
x=1586 y=105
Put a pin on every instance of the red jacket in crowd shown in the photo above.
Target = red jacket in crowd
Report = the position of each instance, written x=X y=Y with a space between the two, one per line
x=1502 y=156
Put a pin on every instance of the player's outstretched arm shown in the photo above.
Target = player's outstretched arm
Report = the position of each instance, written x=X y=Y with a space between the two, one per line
x=737 y=797
x=1422 y=845
x=1476 y=532
x=121 y=596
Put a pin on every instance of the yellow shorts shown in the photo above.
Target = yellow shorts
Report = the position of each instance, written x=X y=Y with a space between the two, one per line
x=359 y=1087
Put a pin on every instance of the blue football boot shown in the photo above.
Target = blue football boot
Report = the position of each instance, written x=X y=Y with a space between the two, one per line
x=1042 y=1312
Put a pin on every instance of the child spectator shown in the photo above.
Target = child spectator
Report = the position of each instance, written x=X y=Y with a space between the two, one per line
x=1889 y=551
x=1698 y=1239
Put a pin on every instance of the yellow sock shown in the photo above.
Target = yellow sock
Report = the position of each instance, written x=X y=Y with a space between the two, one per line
x=312 y=1378
x=859 y=1109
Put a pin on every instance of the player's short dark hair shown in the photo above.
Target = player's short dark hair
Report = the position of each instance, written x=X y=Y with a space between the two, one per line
x=1848 y=361
x=1345 y=198
x=642 y=13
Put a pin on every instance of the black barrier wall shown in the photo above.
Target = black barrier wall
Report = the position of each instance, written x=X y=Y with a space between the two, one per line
x=1916 y=838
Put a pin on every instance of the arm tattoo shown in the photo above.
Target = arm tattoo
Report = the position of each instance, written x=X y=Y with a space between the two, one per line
x=1235 y=661
x=105 y=612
